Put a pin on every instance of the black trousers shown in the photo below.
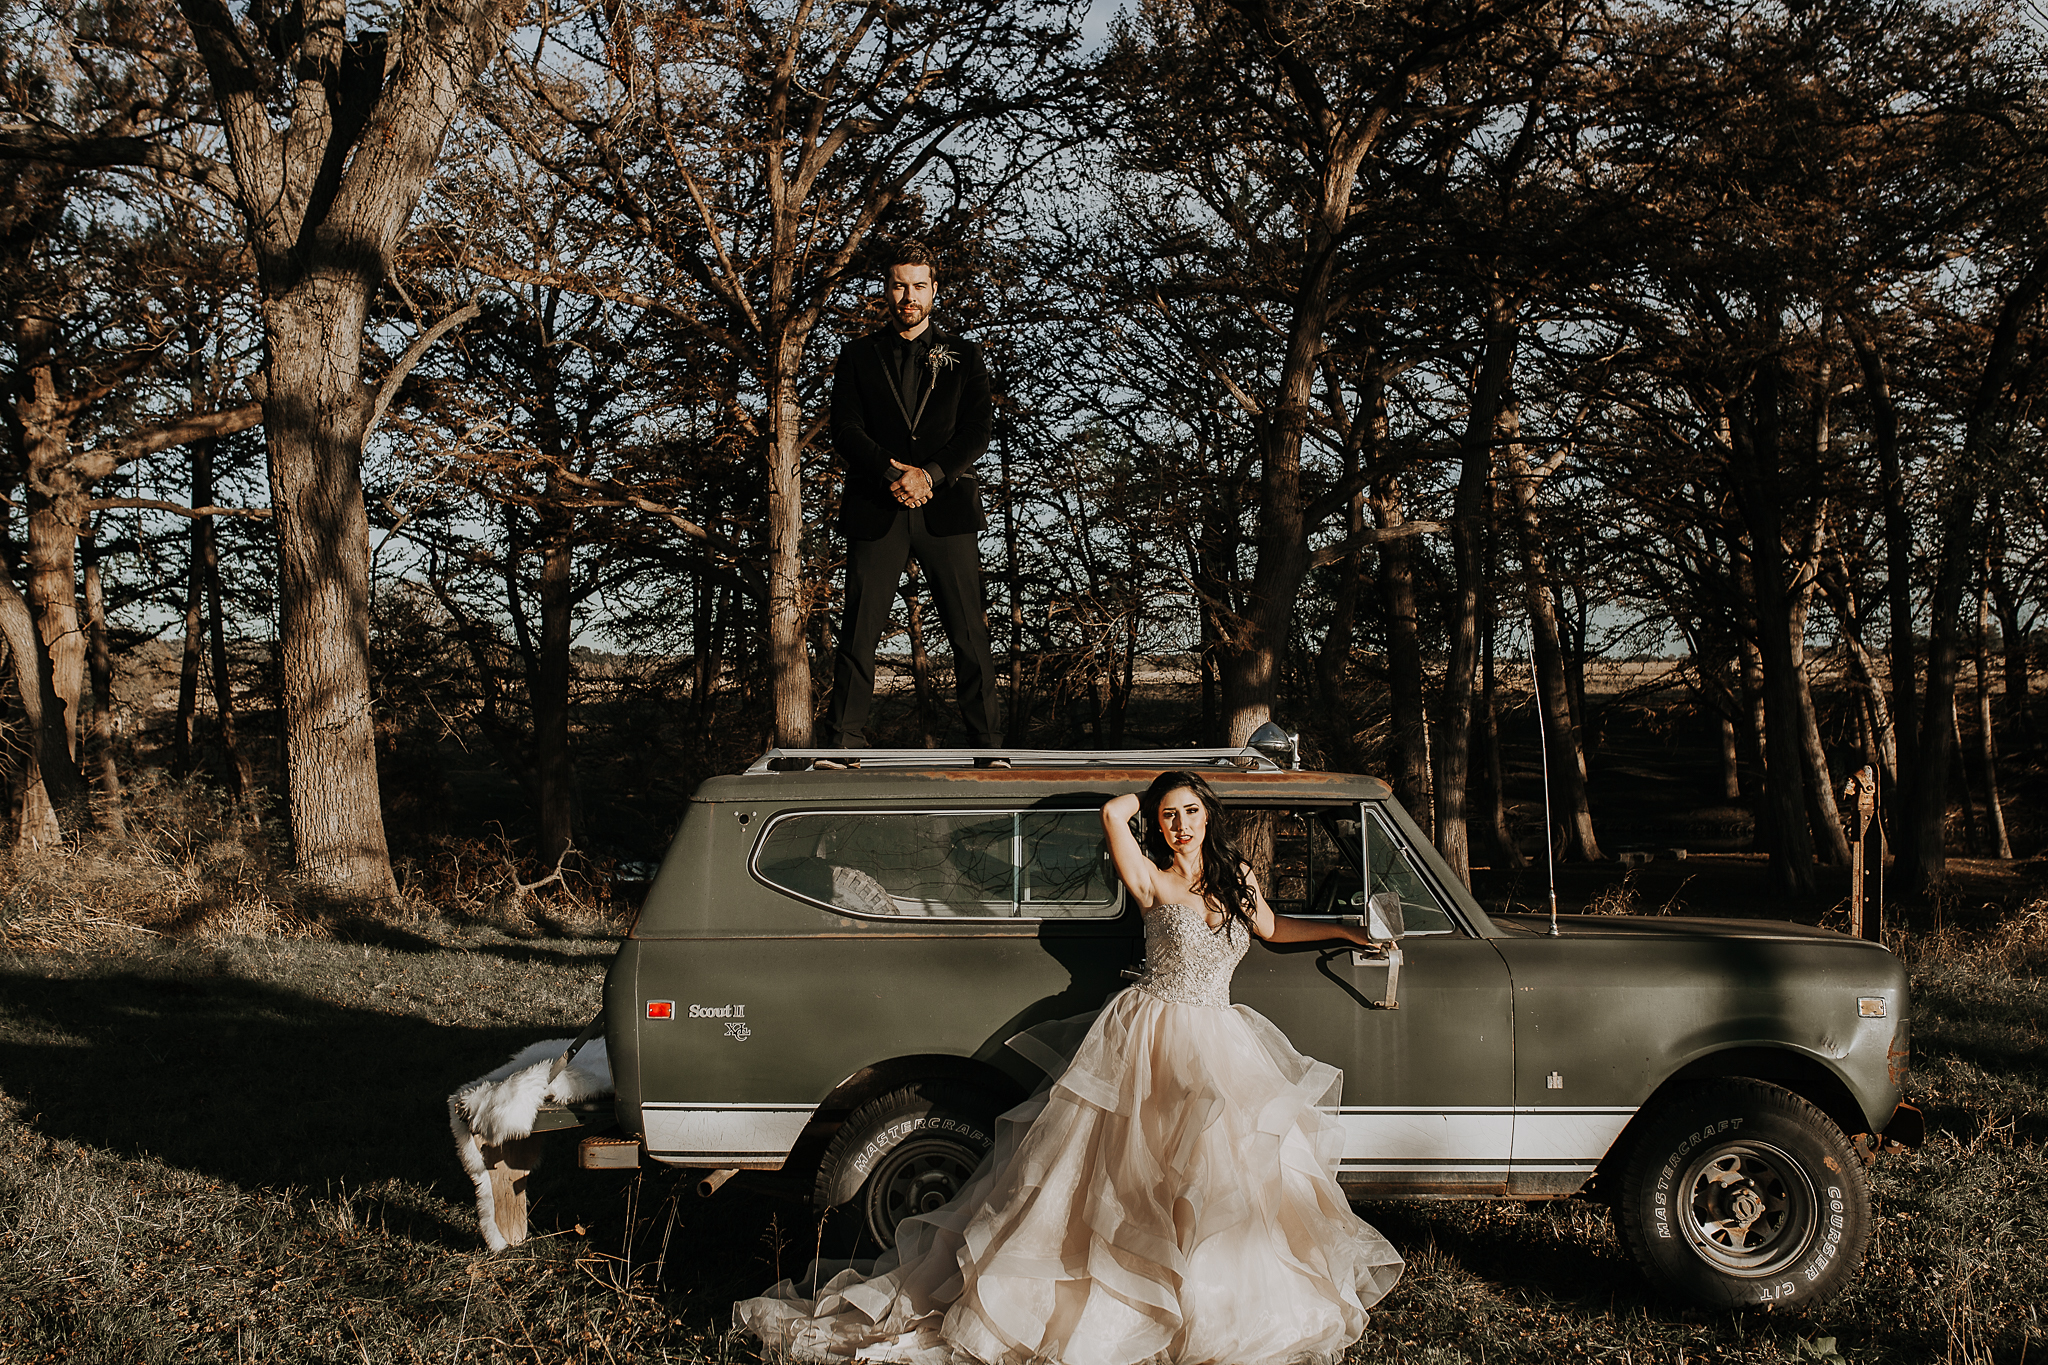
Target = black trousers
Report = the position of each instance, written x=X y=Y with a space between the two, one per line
x=951 y=565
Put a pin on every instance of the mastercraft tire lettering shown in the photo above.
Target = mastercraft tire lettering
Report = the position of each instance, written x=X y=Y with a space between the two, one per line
x=906 y=1153
x=1741 y=1194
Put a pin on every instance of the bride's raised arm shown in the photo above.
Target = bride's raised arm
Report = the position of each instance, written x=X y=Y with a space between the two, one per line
x=1132 y=865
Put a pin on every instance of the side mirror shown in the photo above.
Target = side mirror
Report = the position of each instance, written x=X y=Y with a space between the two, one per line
x=1383 y=917
x=1383 y=925
x=1277 y=744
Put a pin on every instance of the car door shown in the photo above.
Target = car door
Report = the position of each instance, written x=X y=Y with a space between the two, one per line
x=1428 y=1098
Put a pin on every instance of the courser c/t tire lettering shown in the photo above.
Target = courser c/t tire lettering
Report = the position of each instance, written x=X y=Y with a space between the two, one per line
x=1740 y=1194
x=905 y=1153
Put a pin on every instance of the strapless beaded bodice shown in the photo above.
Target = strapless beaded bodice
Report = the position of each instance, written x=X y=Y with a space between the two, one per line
x=1186 y=961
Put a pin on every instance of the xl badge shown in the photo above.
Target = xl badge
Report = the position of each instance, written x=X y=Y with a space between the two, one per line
x=738 y=1032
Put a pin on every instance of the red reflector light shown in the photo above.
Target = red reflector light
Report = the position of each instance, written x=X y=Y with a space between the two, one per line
x=661 y=1009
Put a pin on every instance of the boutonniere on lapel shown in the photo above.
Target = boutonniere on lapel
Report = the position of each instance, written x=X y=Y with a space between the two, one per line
x=941 y=357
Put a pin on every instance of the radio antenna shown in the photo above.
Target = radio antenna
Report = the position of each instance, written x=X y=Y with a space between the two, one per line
x=1549 y=826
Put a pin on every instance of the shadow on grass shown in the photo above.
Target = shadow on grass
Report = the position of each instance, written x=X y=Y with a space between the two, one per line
x=245 y=1082
x=1525 y=1249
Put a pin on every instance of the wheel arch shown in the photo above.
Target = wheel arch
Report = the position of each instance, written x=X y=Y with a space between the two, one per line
x=1803 y=1075
x=880 y=1078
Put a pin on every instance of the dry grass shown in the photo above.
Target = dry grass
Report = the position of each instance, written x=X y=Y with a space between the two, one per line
x=193 y=866
x=232 y=1148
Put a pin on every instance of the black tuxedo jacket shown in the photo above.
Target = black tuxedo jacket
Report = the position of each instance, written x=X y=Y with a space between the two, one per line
x=871 y=427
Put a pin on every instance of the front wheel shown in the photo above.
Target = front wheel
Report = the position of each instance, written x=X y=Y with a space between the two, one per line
x=1741 y=1194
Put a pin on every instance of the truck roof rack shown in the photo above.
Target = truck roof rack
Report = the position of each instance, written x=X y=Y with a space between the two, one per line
x=1244 y=759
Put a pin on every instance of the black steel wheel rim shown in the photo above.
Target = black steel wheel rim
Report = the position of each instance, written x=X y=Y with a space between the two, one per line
x=920 y=1176
x=1747 y=1208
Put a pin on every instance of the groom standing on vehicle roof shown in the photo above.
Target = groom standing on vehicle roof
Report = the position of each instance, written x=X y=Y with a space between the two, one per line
x=910 y=415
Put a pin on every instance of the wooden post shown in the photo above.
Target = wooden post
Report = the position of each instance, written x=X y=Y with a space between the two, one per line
x=1859 y=798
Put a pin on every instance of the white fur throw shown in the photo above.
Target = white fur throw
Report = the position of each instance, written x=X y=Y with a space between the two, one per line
x=492 y=1119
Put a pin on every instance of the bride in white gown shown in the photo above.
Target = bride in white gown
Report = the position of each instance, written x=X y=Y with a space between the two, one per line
x=1167 y=1200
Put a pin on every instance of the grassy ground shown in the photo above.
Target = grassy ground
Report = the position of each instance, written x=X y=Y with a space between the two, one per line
x=236 y=1150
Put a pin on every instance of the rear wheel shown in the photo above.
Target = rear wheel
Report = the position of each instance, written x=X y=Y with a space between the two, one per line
x=906 y=1153
x=1741 y=1194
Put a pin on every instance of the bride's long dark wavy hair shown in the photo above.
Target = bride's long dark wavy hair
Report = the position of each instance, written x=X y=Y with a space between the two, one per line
x=1222 y=869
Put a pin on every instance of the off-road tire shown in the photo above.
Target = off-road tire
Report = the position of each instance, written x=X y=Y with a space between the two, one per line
x=905 y=1153
x=1740 y=1194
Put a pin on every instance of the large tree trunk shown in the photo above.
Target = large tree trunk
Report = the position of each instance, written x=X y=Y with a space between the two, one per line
x=56 y=510
x=789 y=599
x=314 y=417
x=326 y=202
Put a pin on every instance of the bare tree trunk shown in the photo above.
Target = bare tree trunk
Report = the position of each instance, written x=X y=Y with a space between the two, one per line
x=1493 y=784
x=1920 y=847
x=325 y=203
x=1731 y=778
x=1333 y=658
x=1881 y=750
x=1013 y=578
x=1472 y=507
x=56 y=500
x=1410 y=775
x=195 y=599
x=1904 y=669
x=314 y=422
x=107 y=811
x=1751 y=734
x=789 y=604
x=1566 y=777
x=2012 y=635
x=1822 y=814
x=241 y=777
x=1987 y=743
x=1971 y=841
x=1122 y=708
x=1755 y=451
x=42 y=712
x=554 y=763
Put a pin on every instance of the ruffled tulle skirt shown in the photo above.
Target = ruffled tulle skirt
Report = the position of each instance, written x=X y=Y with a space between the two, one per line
x=1168 y=1199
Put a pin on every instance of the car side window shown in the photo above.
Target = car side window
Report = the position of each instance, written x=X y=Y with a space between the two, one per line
x=929 y=864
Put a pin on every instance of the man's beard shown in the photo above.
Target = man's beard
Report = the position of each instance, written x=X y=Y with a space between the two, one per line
x=908 y=315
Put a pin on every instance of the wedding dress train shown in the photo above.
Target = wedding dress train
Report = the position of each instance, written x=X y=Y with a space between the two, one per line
x=1168 y=1200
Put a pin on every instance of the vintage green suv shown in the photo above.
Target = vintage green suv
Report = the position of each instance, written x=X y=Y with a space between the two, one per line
x=824 y=974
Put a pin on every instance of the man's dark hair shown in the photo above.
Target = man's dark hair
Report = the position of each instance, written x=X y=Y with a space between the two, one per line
x=910 y=252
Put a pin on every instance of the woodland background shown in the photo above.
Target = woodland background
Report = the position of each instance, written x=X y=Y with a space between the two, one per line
x=398 y=388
